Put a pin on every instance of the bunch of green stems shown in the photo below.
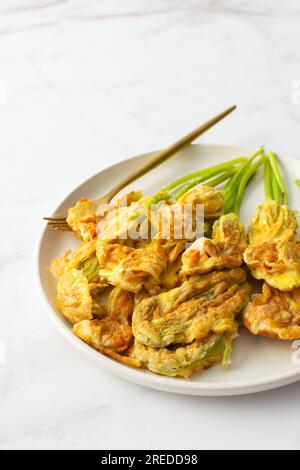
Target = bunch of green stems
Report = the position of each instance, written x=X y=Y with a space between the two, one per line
x=274 y=186
x=235 y=173
x=236 y=186
x=212 y=176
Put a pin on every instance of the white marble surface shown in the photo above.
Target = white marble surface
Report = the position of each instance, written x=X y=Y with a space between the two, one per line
x=99 y=81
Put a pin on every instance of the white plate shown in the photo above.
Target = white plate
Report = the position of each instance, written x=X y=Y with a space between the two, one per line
x=258 y=363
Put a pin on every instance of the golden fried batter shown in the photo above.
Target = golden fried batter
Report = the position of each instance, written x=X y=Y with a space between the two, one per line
x=125 y=225
x=224 y=250
x=83 y=259
x=113 y=334
x=212 y=199
x=106 y=333
x=84 y=216
x=99 y=310
x=183 y=361
x=58 y=265
x=73 y=299
x=202 y=305
x=82 y=253
x=274 y=313
x=131 y=269
x=272 y=222
x=121 y=305
x=171 y=277
x=108 y=338
x=278 y=263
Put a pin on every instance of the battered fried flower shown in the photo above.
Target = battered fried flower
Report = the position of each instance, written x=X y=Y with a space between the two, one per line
x=272 y=222
x=224 y=250
x=105 y=333
x=83 y=259
x=274 y=313
x=120 y=305
x=183 y=361
x=212 y=199
x=278 y=263
x=84 y=216
x=112 y=335
x=113 y=332
x=274 y=254
x=79 y=288
x=58 y=265
x=171 y=277
x=73 y=299
x=201 y=306
x=131 y=269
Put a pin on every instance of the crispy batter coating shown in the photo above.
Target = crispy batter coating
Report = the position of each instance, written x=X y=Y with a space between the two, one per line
x=109 y=338
x=183 y=361
x=274 y=313
x=58 y=265
x=85 y=215
x=131 y=269
x=272 y=222
x=106 y=333
x=82 y=253
x=278 y=263
x=201 y=306
x=172 y=222
x=171 y=277
x=83 y=259
x=111 y=335
x=99 y=309
x=126 y=224
x=121 y=305
x=224 y=250
x=212 y=199
x=73 y=299
x=82 y=218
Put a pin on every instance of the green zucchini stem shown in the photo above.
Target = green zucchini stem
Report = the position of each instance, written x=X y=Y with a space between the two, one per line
x=207 y=179
x=268 y=180
x=233 y=184
x=199 y=174
x=245 y=180
x=279 y=191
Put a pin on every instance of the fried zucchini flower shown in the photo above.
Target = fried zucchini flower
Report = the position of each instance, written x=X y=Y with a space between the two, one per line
x=272 y=222
x=274 y=254
x=105 y=334
x=278 y=263
x=73 y=299
x=183 y=361
x=200 y=306
x=84 y=216
x=83 y=258
x=131 y=269
x=274 y=313
x=212 y=200
x=77 y=299
x=121 y=305
x=79 y=288
x=112 y=335
x=224 y=250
